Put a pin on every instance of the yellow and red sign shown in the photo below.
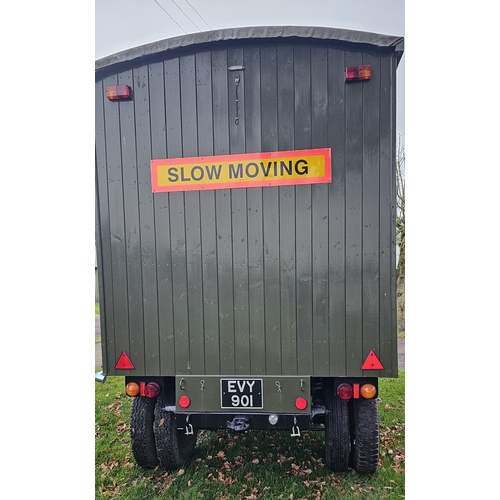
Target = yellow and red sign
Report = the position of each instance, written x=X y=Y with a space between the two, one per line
x=308 y=166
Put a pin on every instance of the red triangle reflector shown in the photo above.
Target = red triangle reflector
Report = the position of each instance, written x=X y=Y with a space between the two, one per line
x=124 y=362
x=372 y=362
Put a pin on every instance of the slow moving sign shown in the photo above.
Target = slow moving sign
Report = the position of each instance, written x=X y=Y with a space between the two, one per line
x=309 y=166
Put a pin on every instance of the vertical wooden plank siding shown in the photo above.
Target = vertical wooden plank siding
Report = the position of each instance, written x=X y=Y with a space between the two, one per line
x=196 y=355
x=286 y=137
x=163 y=356
x=371 y=216
x=162 y=224
x=209 y=282
x=353 y=224
x=220 y=112
x=131 y=241
x=387 y=235
x=319 y=193
x=253 y=143
x=146 y=217
x=303 y=238
x=104 y=240
x=270 y=213
x=239 y=216
x=289 y=280
x=116 y=221
x=177 y=219
x=337 y=210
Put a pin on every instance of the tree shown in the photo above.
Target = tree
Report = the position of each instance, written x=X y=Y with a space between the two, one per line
x=400 y=234
x=400 y=210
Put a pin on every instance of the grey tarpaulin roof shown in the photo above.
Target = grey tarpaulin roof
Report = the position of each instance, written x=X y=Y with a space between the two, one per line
x=255 y=33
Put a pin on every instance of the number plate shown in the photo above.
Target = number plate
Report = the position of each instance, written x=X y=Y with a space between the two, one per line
x=237 y=393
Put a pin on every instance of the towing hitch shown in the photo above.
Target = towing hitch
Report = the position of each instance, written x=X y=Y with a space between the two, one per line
x=238 y=424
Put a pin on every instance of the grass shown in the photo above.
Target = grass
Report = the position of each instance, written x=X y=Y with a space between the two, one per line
x=258 y=464
x=97 y=309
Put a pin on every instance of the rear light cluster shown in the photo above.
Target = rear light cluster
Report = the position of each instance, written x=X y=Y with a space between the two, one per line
x=358 y=73
x=118 y=92
x=347 y=391
x=150 y=390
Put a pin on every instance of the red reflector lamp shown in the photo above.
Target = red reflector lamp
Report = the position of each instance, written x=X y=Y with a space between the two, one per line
x=301 y=403
x=358 y=73
x=372 y=362
x=344 y=391
x=124 y=362
x=184 y=401
x=118 y=92
x=152 y=390
x=356 y=391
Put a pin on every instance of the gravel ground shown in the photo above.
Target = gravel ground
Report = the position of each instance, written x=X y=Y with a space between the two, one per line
x=401 y=354
x=401 y=347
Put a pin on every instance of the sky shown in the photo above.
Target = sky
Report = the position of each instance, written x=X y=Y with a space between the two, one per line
x=122 y=24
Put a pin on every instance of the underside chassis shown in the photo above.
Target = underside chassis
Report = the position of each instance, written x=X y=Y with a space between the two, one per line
x=164 y=434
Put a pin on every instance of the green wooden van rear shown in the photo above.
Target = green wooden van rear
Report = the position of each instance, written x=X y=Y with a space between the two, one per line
x=245 y=233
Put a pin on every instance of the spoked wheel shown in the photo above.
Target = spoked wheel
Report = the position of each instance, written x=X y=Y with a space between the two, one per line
x=173 y=446
x=365 y=435
x=141 y=432
x=337 y=441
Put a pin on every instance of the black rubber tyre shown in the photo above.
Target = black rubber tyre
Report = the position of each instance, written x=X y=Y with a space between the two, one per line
x=141 y=432
x=366 y=435
x=351 y=433
x=173 y=446
x=337 y=441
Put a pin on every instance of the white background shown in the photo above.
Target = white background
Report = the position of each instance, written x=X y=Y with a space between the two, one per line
x=47 y=207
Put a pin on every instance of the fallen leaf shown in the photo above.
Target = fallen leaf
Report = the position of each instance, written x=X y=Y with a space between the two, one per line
x=256 y=461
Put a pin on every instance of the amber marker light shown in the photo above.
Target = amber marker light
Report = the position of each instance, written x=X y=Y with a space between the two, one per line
x=184 y=401
x=132 y=389
x=368 y=391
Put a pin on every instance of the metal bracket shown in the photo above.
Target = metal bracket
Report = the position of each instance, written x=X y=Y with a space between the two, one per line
x=237 y=82
x=100 y=377
x=295 y=428
x=189 y=427
x=317 y=410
